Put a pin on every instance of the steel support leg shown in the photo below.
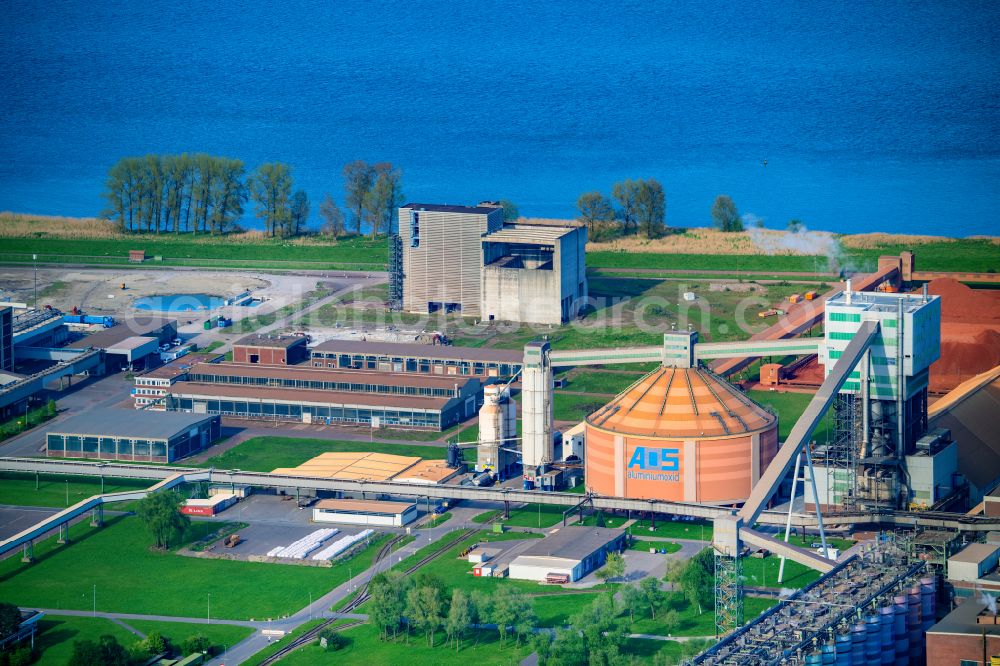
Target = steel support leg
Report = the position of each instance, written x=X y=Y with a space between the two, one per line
x=28 y=551
x=63 y=533
x=791 y=503
x=97 y=516
x=506 y=509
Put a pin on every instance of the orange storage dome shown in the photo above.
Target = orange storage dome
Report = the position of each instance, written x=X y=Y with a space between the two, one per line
x=679 y=434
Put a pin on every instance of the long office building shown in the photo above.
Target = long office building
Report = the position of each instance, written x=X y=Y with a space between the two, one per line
x=312 y=395
x=417 y=358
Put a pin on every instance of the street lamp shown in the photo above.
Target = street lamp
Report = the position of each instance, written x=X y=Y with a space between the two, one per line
x=34 y=263
x=95 y=600
x=208 y=617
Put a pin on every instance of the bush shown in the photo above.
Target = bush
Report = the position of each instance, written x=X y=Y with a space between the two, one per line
x=334 y=640
x=196 y=643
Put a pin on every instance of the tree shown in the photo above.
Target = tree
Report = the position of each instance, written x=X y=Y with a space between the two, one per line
x=107 y=651
x=50 y=407
x=650 y=208
x=271 y=189
x=333 y=218
x=600 y=633
x=567 y=649
x=625 y=193
x=697 y=580
x=651 y=595
x=597 y=213
x=387 y=604
x=384 y=197
x=724 y=214
x=358 y=179
x=795 y=226
x=525 y=618
x=298 y=213
x=459 y=616
x=425 y=610
x=613 y=568
x=10 y=619
x=196 y=643
x=503 y=611
x=161 y=514
x=510 y=211
x=632 y=598
x=156 y=643
x=671 y=621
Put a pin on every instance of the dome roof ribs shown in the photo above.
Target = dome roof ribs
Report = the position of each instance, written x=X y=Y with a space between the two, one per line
x=646 y=390
x=666 y=391
x=694 y=403
x=722 y=422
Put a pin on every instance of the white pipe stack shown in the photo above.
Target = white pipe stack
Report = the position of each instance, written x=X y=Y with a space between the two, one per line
x=307 y=544
x=340 y=545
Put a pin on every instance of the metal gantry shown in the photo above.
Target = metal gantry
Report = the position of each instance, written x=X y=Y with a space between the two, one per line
x=728 y=593
x=395 y=272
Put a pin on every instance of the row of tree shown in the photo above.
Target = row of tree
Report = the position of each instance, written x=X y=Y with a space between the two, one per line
x=641 y=210
x=207 y=194
x=400 y=603
x=108 y=651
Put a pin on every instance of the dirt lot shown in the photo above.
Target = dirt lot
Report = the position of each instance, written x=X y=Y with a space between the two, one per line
x=98 y=291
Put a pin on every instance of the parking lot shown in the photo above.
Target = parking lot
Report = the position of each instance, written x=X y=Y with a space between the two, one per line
x=260 y=538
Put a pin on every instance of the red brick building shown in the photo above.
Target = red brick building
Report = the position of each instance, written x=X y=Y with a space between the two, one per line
x=965 y=637
x=263 y=349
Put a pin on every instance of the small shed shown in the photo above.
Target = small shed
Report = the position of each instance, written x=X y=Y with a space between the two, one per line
x=136 y=256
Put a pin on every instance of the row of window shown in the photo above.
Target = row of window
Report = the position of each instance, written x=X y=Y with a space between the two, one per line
x=331 y=414
x=344 y=387
x=424 y=365
x=107 y=446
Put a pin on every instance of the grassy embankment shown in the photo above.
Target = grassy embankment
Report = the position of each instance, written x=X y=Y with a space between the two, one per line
x=58 y=491
x=90 y=241
x=23 y=422
x=240 y=590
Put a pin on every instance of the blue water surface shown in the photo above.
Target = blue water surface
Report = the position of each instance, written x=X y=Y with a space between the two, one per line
x=178 y=303
x=870 y=115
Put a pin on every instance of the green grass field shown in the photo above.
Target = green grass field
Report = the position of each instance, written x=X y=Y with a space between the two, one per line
x=57 y=633
x=222 y=636
x=131 y=578
x=188 y=249
x=699 y=530
x=789 y=407
x=763 y=572
x=531 y=515
x=555 y=610
x=706 y=262
x=594 y=381
x=645 y=546
x=280 y=643
x=691 y=622
x=263 y=454
x=365 y=647
x=58 y=491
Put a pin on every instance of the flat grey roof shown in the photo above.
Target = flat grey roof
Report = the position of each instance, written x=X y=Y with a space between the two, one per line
x=128 y=423
x=962 y=621
x=404 y=349
x=528 y=234
x=445 y=208
x=308 y=373
x=975 y=553
x=126 y=329
x=573 y=542
x=273 y=341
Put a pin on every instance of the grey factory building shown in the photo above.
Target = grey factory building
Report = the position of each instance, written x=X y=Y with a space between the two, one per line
x=125 y=434
x=464 y=259
x=573 y=551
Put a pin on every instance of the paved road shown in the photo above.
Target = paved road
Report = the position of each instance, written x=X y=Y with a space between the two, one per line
x=81 y=396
